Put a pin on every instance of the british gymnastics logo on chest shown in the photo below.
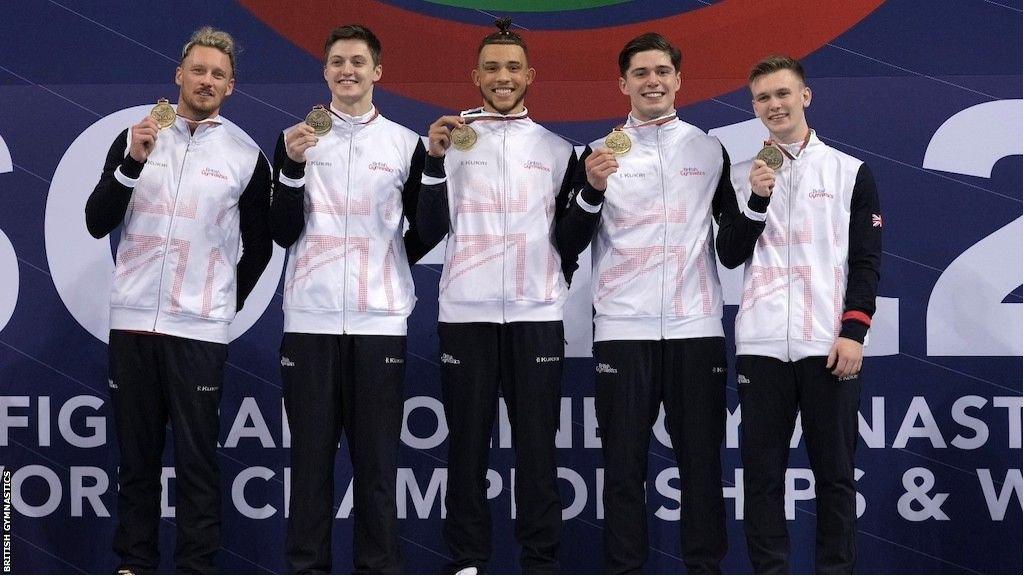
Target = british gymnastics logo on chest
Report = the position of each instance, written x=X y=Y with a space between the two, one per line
x=534 y=165
x=381 y=167
x=213 y=173
x=819 y=193
x=692 y=171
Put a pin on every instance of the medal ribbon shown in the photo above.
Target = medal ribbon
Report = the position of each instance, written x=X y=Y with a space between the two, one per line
x=807 y=138
x=196 y=123
x=192 y=123
x=343 y=119
x=475 y=114
x=653 y=122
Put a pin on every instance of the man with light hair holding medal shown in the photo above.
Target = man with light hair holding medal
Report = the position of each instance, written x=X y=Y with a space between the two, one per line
x=346 y=182
x=651 y=189
x=187 y=187
x=497 y=183
x=809 y=289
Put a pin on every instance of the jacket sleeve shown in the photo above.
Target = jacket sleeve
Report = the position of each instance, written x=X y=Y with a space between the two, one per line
x=109 y=200
x=581 y=216
x=253 y=215
x=287 y=213
x=737 y=230
x=865 y=257
x=565 y=190
x=415 y=246
x=432 y=206
x=561 y=210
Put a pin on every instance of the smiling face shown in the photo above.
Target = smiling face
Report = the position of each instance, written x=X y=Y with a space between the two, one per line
x=502 y=74
x=779 y=100
x=651 y=82
x=350 y=73
x=206 y=79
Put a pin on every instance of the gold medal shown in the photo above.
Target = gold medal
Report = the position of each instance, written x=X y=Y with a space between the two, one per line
x=319 y=118
x=463 y=137
x=163 y=113
x=618 y=142
x=771 y=156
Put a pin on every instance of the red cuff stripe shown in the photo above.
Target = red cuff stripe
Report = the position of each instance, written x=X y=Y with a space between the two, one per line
x=857 y=316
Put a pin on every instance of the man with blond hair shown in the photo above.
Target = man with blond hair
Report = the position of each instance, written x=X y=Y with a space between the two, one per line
x=188 y=192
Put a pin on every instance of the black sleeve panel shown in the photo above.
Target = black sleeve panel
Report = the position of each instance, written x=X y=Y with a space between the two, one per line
x=432 y=207
x=737 y=234
x=576 y=228
x=569 y=259
x=254 y=222
x=565 y=191
x=865 y=254
x=415 y=247
x=287 y=213
x=109 y=200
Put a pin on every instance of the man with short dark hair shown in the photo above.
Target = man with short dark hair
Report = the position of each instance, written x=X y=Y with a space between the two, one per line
x=496 y=183
x=809 y=291
x=342 y=199
x=651 y=190
x=186 y=192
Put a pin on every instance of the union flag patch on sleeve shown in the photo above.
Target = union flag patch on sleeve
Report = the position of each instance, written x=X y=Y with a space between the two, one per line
x=876 y=220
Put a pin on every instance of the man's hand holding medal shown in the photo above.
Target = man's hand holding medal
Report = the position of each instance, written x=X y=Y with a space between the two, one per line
x=762 y=173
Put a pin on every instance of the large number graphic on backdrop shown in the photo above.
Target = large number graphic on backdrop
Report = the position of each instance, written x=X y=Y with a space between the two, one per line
x=8 y=260
x=983 y=325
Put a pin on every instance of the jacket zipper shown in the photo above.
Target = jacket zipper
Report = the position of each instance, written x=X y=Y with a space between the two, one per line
x=789 y=260
x=504 y=222
x=170 y=226
x=664 y=229
x=347 y=248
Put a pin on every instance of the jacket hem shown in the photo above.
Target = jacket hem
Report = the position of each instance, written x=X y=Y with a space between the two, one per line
x=499 y=312
x=652 y=328
x=191 y=327
x=349 y=322
x=797 y=349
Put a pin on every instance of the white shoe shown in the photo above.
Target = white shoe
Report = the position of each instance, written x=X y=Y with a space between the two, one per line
x=470 y=571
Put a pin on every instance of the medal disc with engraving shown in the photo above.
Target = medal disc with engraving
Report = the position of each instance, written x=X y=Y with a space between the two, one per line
x=771 y=156
x=618 y=142
x=463 y=137
x=163 y=113
x=319 y=118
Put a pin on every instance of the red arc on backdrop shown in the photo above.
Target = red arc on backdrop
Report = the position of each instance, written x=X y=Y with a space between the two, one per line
x=429 y=59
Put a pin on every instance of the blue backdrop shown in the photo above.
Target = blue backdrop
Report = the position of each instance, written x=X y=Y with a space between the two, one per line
x=928 y=93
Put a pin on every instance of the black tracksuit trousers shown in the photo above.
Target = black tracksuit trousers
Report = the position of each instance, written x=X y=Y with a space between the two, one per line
x=771 y=394
x=352 y=383
x=633 y=378
x=524 y=361
x=155 y=378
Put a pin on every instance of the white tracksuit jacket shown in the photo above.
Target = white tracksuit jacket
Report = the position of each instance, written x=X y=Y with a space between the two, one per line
x=654 y=271
x=348 y=267
x=814 y=271
x=501 y=264
x=184 y=212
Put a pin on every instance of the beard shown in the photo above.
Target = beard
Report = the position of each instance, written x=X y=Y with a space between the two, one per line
x=200 y=110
